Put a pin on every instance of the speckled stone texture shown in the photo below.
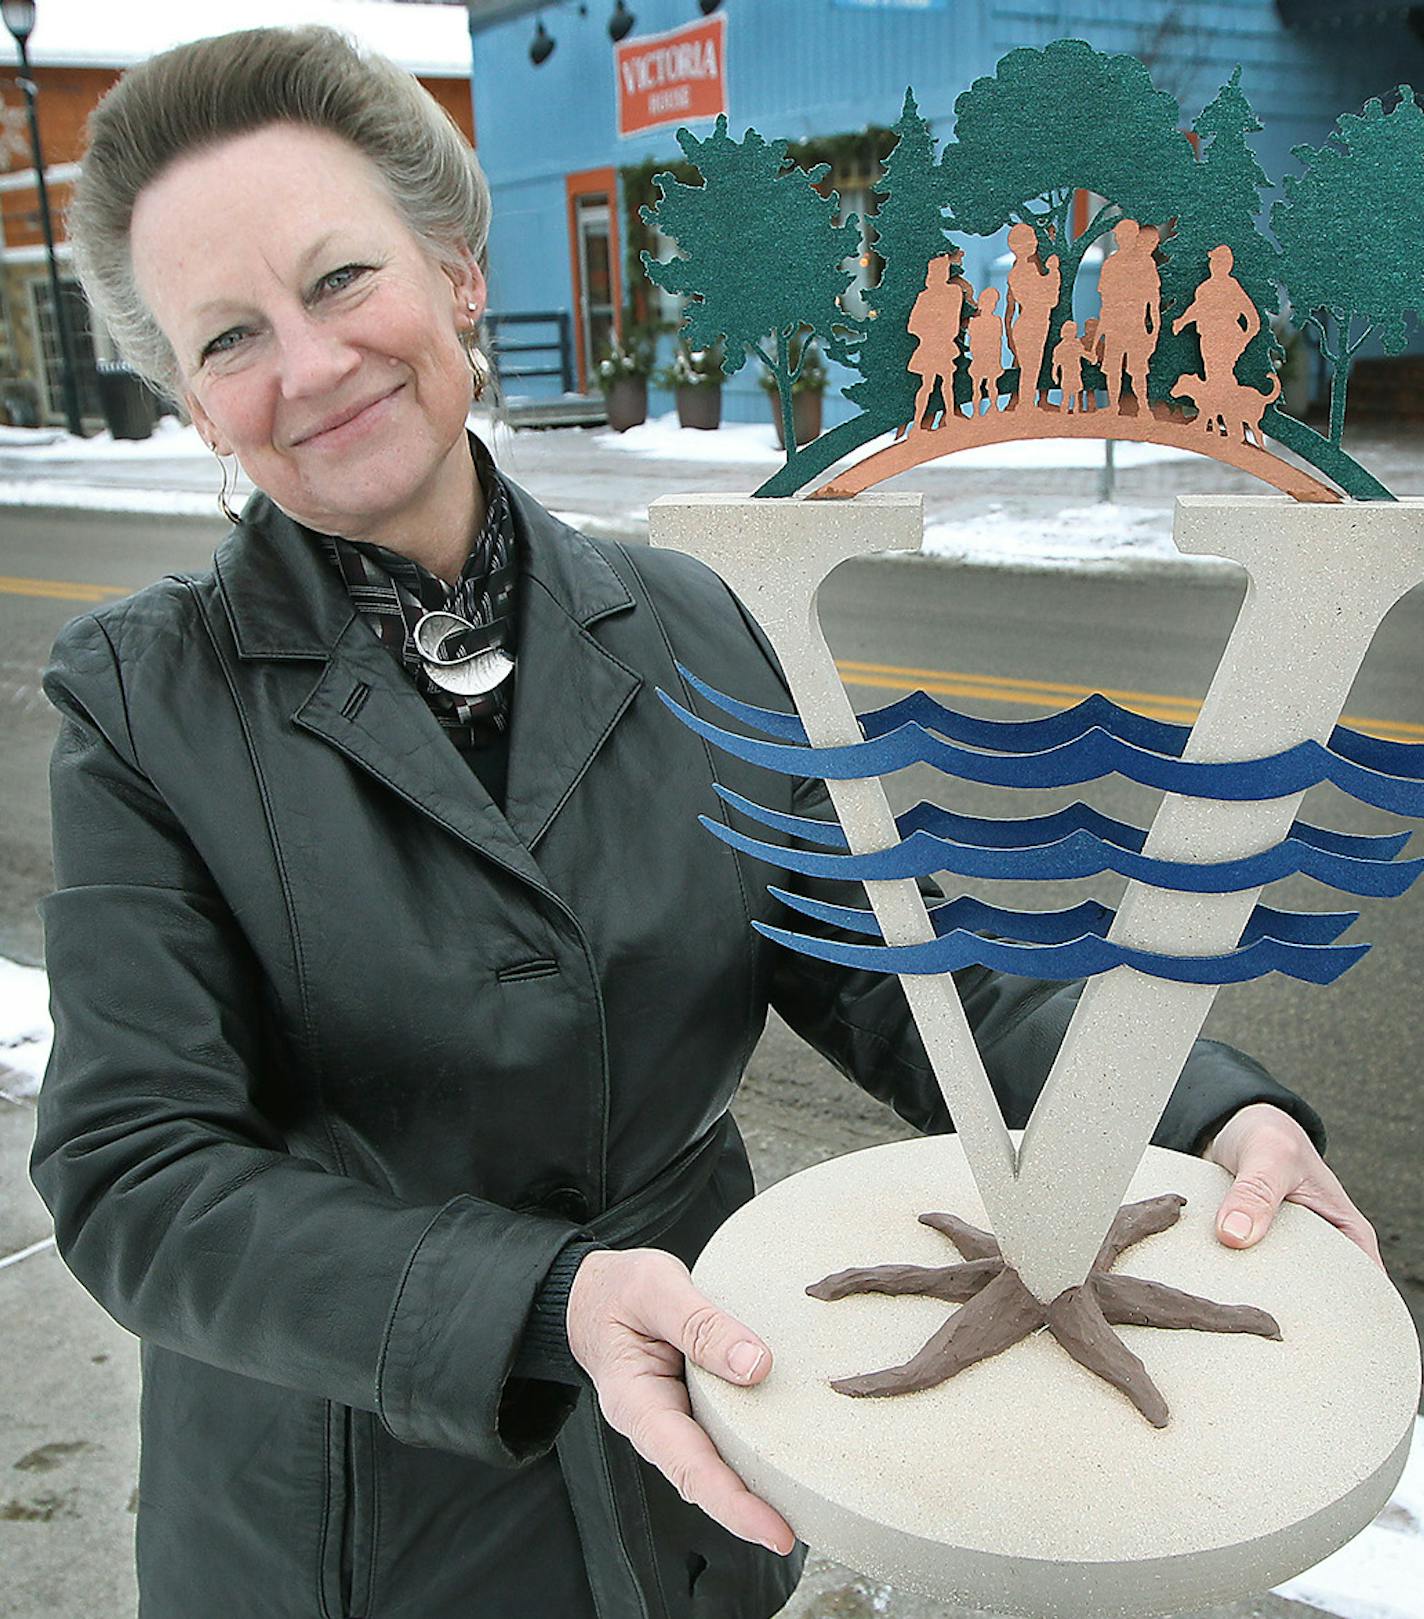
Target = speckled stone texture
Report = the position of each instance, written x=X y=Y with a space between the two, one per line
x=1026 y=1485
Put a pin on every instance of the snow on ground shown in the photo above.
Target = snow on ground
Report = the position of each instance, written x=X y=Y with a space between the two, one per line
x=107 y=498
x=1105 y=533
x=168 y=439
x=25 y=1030
x=1378 y=1575
x=752 y=443
x=661 y=439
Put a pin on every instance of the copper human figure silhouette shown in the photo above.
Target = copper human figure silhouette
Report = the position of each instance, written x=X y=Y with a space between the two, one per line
x=1226 y=320
x=1123 y=340
x=985 y=333
x=1069 y=354
x=1028 y=309
x=1130 y=296
x=935 y=323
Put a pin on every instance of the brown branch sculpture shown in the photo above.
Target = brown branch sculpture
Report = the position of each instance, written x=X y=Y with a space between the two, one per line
x=998 y=1310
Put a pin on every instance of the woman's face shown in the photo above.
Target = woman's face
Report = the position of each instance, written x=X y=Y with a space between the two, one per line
x=293 y=293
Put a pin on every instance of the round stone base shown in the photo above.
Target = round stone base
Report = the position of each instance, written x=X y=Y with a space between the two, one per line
x=1026 y=1485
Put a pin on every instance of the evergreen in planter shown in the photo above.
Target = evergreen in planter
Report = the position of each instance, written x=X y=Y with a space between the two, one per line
x=807 y=392
x=623 y=377
x=695 y=378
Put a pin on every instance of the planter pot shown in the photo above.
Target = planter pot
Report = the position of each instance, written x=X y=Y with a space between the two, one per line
x=805 y=414
x=700 y=406
x=627 y=400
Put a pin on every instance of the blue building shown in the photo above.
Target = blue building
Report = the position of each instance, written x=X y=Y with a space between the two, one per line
x=569 y=164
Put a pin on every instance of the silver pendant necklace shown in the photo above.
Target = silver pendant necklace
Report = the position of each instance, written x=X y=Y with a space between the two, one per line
x=474 y=675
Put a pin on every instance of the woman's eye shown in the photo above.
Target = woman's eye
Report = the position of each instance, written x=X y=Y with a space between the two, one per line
x=219 y=344
x=334 y=280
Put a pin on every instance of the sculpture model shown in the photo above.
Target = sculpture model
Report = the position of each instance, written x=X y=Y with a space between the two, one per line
x=1176 y=345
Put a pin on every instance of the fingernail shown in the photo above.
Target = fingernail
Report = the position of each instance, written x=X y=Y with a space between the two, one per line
x=771 y=1546
x=744 y=1358
x=1237 y=1225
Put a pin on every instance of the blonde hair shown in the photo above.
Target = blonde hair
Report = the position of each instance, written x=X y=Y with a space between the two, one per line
x=197 y=95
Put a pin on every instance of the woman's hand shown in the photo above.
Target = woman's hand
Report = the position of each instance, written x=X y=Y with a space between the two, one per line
x=633 y=1316
x=1274 y=1161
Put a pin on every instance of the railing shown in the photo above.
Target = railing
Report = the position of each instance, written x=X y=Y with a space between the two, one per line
x=561 y=346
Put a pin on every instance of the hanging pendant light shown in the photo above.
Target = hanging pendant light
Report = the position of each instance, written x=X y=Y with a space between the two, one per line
x=542 y=47
x=620 y=24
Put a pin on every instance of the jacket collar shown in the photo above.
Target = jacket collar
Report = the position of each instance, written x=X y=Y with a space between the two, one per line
x=285 y=601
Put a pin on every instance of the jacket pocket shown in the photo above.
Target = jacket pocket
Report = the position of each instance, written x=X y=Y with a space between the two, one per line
x=349 y=1518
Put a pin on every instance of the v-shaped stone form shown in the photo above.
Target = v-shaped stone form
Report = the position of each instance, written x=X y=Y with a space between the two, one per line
x=775 y=554
x=1320 y=582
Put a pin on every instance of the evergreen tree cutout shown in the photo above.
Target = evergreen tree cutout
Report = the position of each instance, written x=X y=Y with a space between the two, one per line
x=1351 y=253
x=909 y=232
x=761 y=257
x=1225 y=204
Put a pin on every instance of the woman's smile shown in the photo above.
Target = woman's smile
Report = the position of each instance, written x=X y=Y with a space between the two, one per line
x=354 y=427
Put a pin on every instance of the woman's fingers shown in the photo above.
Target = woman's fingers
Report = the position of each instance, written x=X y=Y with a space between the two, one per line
x=663 y=1431
x=1272 y=1161
x=633 y=1318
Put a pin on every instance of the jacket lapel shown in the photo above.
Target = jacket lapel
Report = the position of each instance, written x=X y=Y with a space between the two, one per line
x=284 y=601
x=569 y=691
x=366 y=706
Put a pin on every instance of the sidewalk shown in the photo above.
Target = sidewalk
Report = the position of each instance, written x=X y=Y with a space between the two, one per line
x=1034 y=504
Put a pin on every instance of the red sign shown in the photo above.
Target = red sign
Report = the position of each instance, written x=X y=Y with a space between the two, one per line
x=672 y=78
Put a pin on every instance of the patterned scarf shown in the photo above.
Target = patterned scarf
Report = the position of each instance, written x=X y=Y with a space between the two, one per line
x=392 y=592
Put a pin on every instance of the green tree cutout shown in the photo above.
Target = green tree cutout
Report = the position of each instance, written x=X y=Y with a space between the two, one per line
x=1223 y=206
x=909 y=232
x=763 y=265
x=761 y=258
x=1049 y=123
x=1351 y=256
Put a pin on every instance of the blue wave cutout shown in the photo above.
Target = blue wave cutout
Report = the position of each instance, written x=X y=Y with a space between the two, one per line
x=1078 y=958
x=969 y=915
x=1080 y=854
x=1017 y=832
x=1095 y=754
x=1401 y=759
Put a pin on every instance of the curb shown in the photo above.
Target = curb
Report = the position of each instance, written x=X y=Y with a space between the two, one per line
x=632 y=529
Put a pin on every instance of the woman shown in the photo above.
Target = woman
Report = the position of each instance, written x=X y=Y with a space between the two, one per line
x=398 y=997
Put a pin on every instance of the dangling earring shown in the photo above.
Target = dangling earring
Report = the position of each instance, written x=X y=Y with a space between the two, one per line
x=223 y=505
x=479 y=365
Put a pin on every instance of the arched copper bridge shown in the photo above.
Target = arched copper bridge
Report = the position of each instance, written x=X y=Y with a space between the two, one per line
x=1160 y=426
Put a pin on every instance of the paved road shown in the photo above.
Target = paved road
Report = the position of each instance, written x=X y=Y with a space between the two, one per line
x=1001 y=644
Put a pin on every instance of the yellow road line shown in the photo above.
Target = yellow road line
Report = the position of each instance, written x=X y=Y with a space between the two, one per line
x=63 y=590
x=1049 y=694
x=881 y=676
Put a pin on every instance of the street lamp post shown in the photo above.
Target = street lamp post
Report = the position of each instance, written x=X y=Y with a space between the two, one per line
x=20 y=20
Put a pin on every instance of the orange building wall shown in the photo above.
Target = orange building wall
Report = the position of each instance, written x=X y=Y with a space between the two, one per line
x=66 y=96
x=454 y=96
